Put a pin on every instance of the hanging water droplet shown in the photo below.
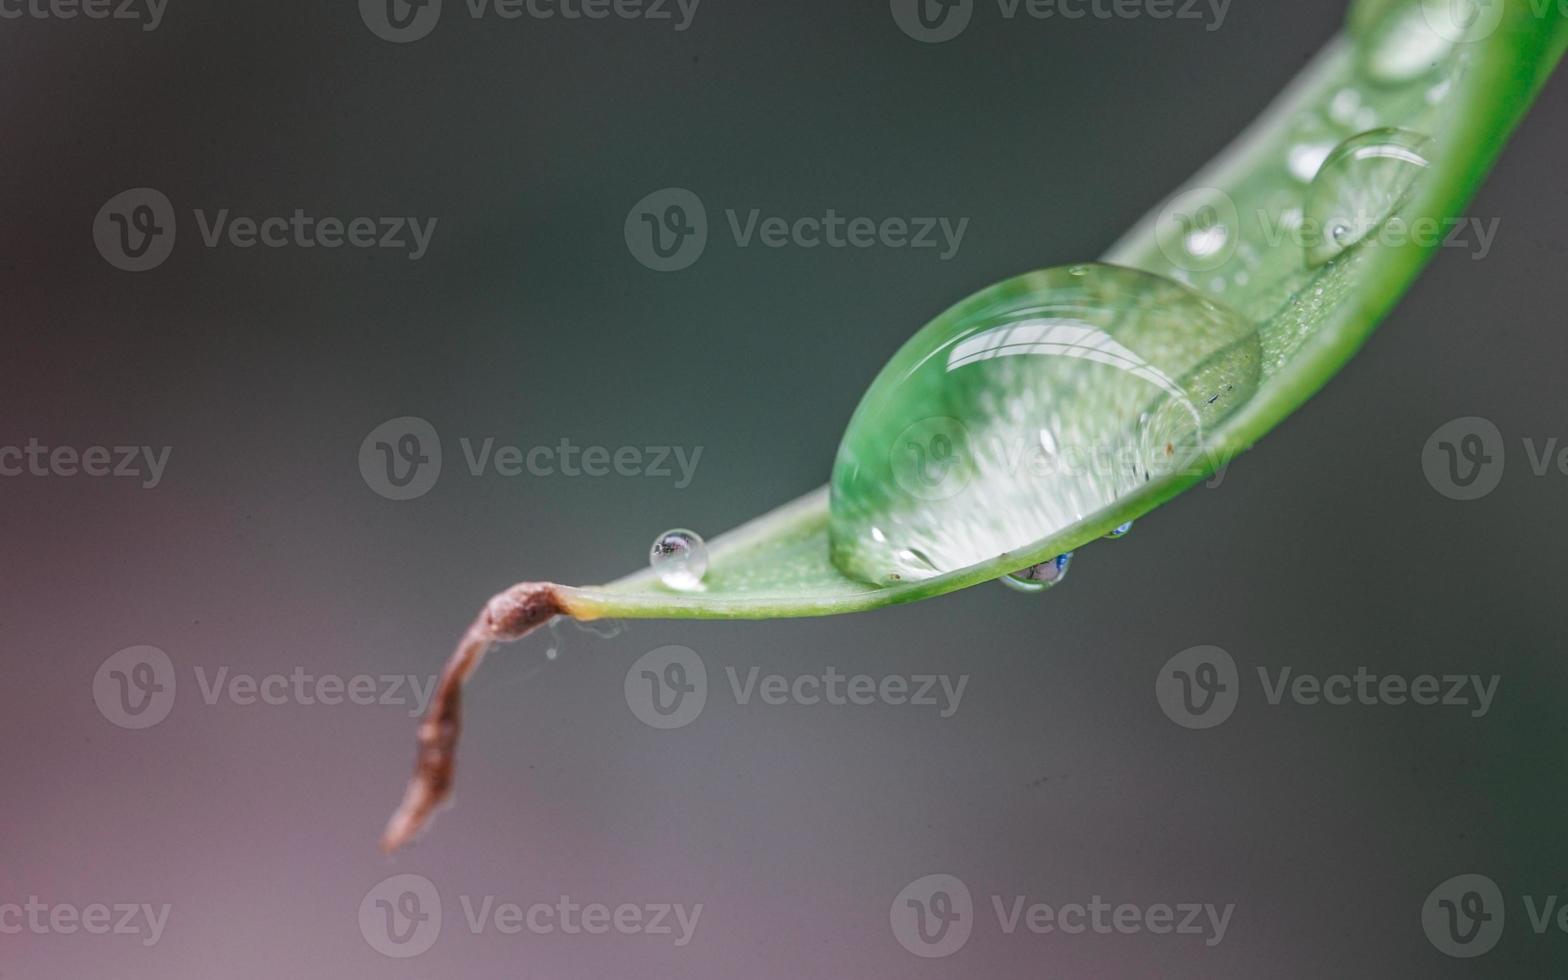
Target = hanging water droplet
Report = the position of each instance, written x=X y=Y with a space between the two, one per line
x=1361 y=185
x=1028 y=407
x=1120 y=532
x=1041 y=577
x=680 y=558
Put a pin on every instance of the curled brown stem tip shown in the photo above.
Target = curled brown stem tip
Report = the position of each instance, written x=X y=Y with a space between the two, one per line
x=509 y=616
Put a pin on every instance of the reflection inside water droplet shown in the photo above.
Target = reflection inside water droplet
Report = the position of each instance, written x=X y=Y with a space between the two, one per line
x=680 y=558
x=1040 y=577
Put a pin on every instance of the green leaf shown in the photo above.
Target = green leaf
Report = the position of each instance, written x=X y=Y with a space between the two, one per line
x=1311 y=321
x=1400 y=65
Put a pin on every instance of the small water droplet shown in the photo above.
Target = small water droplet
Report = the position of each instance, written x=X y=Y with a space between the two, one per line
x=1305 y=159
x=680 y=558
x=1041 y=577
x=1206 y=241
x=1408 y=39
x=1120 y=532
x=1361 y=185
x=1343 y=106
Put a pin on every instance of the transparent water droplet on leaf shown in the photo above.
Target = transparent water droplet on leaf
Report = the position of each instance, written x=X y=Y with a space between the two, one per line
x=1361 y=185
x=680 y=558
x=1120 y=532
x=1400 y=41
x=1305 y=159
x=1028 y=407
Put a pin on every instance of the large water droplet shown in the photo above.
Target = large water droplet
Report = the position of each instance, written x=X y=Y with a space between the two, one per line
x=680 y=558
x=1028 y=407
x=1362 y=183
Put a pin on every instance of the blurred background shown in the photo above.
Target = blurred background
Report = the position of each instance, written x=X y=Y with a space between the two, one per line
x=234 y=815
